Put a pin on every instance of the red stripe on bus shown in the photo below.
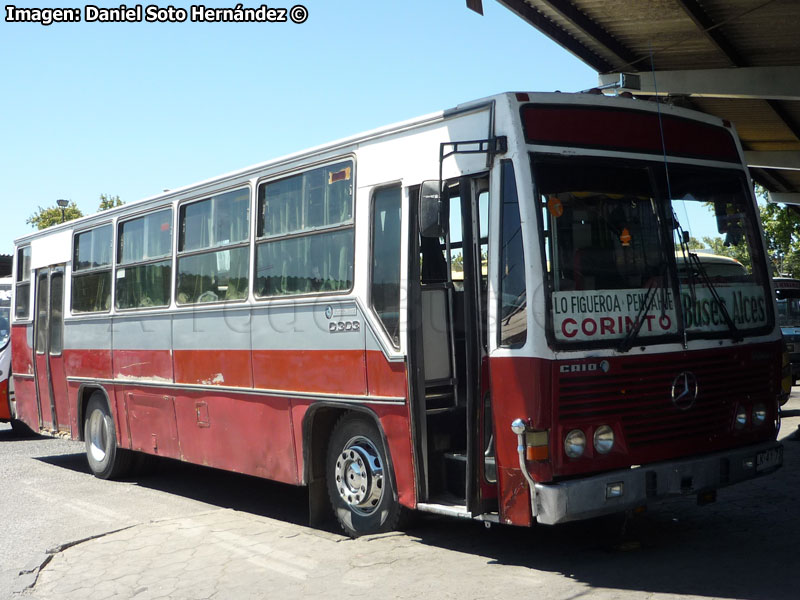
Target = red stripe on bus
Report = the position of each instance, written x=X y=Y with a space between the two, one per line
x=385 y=378
x=88 y=363
x=143 y=364
x=21 y=352
x=5 y=412
x=229 y=368
x=320 y=371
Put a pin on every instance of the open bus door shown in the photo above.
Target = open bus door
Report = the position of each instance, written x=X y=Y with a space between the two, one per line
x=447 y=346
x=51 y=392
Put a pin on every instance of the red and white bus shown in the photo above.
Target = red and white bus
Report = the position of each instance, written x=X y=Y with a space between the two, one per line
x=299 y=320
x=6 y=387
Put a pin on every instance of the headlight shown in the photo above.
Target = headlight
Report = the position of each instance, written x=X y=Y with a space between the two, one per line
x=741 y=417
x=575 y=443
x=603 y=439
x=759 y=414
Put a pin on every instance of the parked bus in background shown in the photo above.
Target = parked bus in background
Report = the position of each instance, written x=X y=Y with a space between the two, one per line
x=299 y=320
x=787 y=297
x=6 y=385
x=714 y=265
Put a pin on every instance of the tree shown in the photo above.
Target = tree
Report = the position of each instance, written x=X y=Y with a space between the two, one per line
x=53 y=215
x=740 y=252
x=107 y=202
x=45 y=217
x=693 y=244
x=782 y=232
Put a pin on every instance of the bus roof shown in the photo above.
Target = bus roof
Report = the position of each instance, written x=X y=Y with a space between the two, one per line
x=286 y=162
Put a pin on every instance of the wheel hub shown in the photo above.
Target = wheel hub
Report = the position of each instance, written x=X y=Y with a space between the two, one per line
x=359 y=476
x=98 y=439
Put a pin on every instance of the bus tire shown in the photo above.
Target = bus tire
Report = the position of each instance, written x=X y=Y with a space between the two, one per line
x=106 y=460
x=360 y=486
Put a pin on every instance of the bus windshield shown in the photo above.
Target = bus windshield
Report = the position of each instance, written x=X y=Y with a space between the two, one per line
x=787 y=301
x=617 y=253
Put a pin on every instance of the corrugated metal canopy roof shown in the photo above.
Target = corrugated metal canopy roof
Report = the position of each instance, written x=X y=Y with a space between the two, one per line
x=737 y=59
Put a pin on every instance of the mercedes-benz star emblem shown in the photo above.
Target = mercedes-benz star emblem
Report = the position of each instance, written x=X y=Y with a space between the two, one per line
x=684 y=390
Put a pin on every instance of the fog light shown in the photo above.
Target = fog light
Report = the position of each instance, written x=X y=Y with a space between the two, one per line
x=603 y=439
x=759 y=414
x=741 y=417
x=575 y=443
x=615 y=490
x=748 y=463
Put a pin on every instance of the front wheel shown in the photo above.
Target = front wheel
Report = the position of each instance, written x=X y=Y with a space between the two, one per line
x=359 y=483
x=106 y=460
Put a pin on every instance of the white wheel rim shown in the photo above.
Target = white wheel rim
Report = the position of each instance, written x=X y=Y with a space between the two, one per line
x=359 y=476
x=98 y=436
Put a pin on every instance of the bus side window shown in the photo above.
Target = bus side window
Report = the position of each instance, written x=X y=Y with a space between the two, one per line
x=22 y=301
x=91 y=270
x=305 y=240
x=144 y=261
x=513 y=292
x=385 y=272
x=213 y=249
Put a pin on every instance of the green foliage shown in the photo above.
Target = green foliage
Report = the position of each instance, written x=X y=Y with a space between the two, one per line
x=739 y=252
x=45 y=217
x=107 y=202
x=458 y=262
x=694 y=244
x=782 y=231
x=53 y=215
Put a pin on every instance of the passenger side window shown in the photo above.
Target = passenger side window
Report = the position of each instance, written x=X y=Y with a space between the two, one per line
x=513 y=292
x=385 y=269
x=91 y=270
x=144 y=261
x=22 y=302
x=305 y=233
x=213 y=249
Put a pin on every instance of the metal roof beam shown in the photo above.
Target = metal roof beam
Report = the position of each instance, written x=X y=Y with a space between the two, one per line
x=712 y=32
x=784 y=198
x=592 y=29
x=770 y=83
x=778 y=159
x=525 y=11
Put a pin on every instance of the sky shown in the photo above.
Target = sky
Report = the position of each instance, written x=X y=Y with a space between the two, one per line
x=131 y=109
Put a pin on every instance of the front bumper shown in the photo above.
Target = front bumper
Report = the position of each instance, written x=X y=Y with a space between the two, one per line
x=585 y=498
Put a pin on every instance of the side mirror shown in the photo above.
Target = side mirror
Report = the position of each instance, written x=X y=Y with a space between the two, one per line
x=434 y=210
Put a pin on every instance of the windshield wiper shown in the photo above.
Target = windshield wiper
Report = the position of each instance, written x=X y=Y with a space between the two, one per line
x=692 y=262
x=627 y=342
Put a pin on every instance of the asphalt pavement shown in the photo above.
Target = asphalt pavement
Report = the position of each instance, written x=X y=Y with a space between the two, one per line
x=744 y=546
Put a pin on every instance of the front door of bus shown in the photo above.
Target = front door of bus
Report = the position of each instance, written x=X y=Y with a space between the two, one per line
x=449 y=349
x=51 y=388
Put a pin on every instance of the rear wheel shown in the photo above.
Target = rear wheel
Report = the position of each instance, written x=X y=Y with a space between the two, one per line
x=359 y=483
x=106 y=460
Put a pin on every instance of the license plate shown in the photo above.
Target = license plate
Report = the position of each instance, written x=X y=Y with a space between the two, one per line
x=769 y=459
